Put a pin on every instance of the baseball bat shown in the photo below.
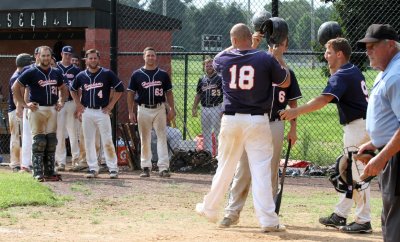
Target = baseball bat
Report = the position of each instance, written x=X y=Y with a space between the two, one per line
x=278 y=197
x=127 y=146
x=133 y=138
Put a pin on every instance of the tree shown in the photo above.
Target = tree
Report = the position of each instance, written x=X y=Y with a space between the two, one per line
x=356 y=15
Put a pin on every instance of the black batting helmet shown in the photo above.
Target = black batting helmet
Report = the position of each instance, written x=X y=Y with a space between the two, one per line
x=277 y=30
x=259 y=20
x=329 y=30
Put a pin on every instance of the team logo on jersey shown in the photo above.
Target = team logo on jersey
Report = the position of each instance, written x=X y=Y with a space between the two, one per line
x=151 y=84
x=87 y=87
x=70 y=75
x=43 y=83
x=208 y=87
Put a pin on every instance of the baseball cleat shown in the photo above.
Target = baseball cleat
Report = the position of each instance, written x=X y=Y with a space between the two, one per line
x=333 y=220
x=145 y=172
x=92 y=174
x=227 y=222
x=200 y=211
x=356 y=228
x=277 y=228
x=113 y=174
x=164 y=173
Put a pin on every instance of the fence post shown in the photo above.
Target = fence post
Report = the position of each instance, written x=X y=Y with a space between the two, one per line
x=185 y=94
x=113 y=61
x=275 y=8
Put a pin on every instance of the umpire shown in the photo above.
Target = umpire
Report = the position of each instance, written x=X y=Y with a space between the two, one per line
x=209 y=93
x=383 y=122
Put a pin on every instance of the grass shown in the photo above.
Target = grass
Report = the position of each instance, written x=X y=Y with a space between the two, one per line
x=21 y=190
x=319 y=133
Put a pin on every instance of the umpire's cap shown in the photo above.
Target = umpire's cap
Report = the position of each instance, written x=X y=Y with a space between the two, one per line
x=23 y=59
x=377 y=32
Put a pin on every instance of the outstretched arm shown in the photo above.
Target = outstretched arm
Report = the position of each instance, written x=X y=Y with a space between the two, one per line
x=313 y=105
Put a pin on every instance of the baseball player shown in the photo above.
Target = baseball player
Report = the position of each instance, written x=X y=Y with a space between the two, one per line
x=75 y=60
x=278 y=100
x=22 y=113
x=44 y=83
x=66 y=120
x=209 y=93
x=22 y=61
x=153 y=88
x=346 y=87
x=247 y=77
x=96 y=105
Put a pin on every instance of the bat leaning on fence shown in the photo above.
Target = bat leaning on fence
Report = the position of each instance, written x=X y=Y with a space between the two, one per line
x=134 y=144
x=127 y=146
x=278 y=197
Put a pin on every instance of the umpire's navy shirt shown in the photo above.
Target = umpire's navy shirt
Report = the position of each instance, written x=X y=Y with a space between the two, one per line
x=43 y=84
x=350 y=92
x=96 y=87
x=150 y=85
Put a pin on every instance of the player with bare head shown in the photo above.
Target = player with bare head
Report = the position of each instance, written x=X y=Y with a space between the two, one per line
x=44 y=82
x=96 y=105
x=247 y=78
x=153 y=88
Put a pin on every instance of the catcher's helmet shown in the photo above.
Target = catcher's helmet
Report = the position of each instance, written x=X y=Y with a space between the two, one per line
x=259 y=19
x=328 y=30
x=277 y=30
x=339 y=177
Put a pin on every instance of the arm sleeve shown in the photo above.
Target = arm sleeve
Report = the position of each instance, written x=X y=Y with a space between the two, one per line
x=335 y=87
x=116 y=83
x=198 y=88
x=294 y=89
x=167 y=85
x=278 y=72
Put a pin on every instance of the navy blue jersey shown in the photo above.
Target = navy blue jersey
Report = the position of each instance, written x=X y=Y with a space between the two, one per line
x=150 y=85
x=43 y=84
x=69 y=73
x=281 y=96
x=14 y=77
x=247 y=78
x=96 y=87
x=210 y=90
x=350 y=92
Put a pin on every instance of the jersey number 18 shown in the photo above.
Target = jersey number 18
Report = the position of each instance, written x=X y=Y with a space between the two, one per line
x=245 y=79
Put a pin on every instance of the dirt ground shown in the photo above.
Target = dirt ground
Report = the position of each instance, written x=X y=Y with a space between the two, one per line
x=154 y=209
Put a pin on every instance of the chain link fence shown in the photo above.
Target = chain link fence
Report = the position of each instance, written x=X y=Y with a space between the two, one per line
x=204 y=31
x=185 y=32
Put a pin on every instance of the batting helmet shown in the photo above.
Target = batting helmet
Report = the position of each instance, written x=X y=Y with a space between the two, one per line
x=328 y=30
x=259 y=20
x=23 y=60
x=277 y=30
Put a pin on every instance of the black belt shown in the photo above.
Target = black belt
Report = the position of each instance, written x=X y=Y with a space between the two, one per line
x=94 y=107
x=211 y=105
x=151 y=106
x=252 y=114
x=275 y=119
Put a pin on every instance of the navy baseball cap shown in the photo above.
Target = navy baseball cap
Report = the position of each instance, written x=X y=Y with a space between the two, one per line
x=377 y=32
x=67 y=49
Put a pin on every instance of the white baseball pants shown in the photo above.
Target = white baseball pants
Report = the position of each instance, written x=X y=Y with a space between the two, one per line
x=93 y=119
x=26 y=154
x=210 y=121
x=66 y=121
x=243 y=132
x=355 y=134
x=147 y=120
x=15 y=136
x=242 y=180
